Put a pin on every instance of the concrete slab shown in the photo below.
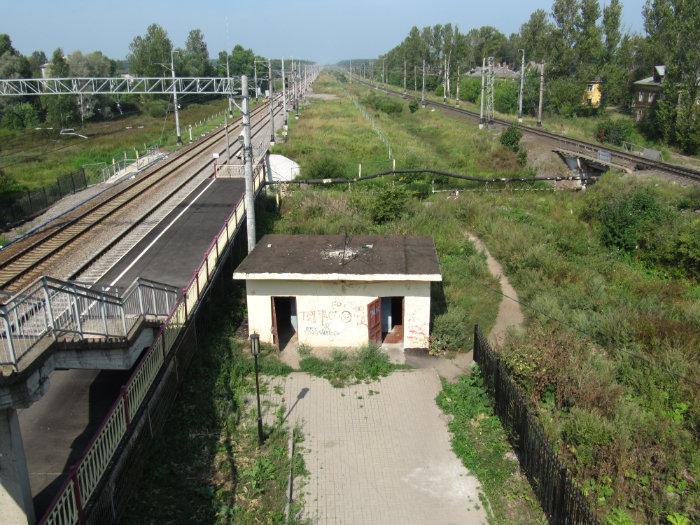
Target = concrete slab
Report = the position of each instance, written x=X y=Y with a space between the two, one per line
x=380 y=453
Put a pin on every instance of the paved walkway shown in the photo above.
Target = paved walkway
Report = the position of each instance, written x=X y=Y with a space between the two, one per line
x=379 y=453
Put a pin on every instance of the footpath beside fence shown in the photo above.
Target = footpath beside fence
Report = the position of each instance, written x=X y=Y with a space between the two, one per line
x=561 y=499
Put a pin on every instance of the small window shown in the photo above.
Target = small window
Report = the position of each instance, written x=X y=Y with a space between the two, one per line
x=641 y=96
x=590 y=87
x=651 y=97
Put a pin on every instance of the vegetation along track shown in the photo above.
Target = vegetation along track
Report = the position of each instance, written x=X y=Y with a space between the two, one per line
x=24 y=261
x=636 y=161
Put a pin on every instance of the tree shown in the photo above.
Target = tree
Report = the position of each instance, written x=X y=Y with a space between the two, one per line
x=61 y=110
x=94 y=64
x=149 y=52
x=536 y=36
x=194 y=59
x=241 y=61
x=588 y=38
x=12 y=63
x=36 y=60
x=611 y=28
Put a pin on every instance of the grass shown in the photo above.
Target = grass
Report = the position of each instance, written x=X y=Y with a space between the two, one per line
x=35 y=158
x=368 y=363
x=206 y=466
x=479 y=440
x=577 y=127
x=609 y=353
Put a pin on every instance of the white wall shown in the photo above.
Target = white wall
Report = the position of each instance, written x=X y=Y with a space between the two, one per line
x=335 y=313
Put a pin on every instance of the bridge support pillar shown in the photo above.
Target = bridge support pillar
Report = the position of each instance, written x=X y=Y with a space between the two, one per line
x=16 y=505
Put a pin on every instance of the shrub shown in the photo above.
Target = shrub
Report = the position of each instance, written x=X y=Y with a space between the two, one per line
x=413 y=106
x=614 y=131
x=627 y=220
x=510 y=138
x=20 y=116
x=389 y=203
x=564 y=96
x=383 y=103
x=155 y=107
x=325 y=167
x=439 y=90
x=470 y=90
x=522 y=158
x=505 y=96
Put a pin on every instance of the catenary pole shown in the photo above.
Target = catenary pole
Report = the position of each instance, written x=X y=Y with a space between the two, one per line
x=228 y=77
x=248 y=169
x=422 y=94
x=458 y=82
x=522 y=86
x=539 y=107
x=255 y=77
x=483 y=79
x=177 y=111
x=272 y=97
x=284 y=96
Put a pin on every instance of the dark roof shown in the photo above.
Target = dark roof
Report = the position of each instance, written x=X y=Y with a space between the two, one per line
x=341 y=256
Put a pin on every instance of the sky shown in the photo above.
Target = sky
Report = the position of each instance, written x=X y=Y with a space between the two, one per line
x=325 y=31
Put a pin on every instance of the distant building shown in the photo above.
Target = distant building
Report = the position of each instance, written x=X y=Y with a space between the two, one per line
x=594 y=93
x=340 y=290
x=647 y=91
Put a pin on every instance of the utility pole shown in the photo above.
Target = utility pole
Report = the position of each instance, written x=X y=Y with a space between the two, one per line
x=284 y=96
x=444 y=83
x=415 y=78
x=490 y=88
x=177 y=111
x=481 y=111
x=228 y=144
x=383 y=70
x=457 y=95
x=272 y=97
x=404 y=76
x=248 y=169
x=539 y=108
x=422 y=95
x=228 y=78
x=255 y=77
x=522 y=85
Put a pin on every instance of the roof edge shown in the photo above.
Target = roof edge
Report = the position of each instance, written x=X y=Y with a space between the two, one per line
x=372 y=277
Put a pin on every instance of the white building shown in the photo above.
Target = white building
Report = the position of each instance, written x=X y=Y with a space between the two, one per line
x=340 y=291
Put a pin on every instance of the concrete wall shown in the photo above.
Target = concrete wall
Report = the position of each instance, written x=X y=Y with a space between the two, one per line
x=335 y=313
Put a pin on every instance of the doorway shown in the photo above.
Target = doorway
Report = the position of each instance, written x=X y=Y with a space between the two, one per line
x=284 y=320
x=392 y=319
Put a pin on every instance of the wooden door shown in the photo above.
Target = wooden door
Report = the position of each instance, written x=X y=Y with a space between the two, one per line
x=374 y=320
x=275 y=336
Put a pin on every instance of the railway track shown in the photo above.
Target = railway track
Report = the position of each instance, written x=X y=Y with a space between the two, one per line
x=23 y=262
x=637 y=162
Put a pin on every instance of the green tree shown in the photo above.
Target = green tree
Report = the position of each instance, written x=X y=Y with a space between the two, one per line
x=61 y=110
x=536 y=36
x=194 y=59
x=611 y=28
x=36 y=60
x=12 y=63
x=149 y=52
x=241 y=61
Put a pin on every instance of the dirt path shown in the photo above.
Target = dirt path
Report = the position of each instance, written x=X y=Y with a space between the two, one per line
x=510 y=316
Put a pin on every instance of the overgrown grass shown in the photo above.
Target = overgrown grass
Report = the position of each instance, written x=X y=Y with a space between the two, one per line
x=479 y=440
x=368 y=363
x=610 y=353
x=35 y=158
x=206 y=466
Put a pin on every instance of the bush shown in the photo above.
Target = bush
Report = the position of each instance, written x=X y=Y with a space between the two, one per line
x=413 y=105
x=615 y=131
x=20 y=116
x=627 y=220
x=323 y=168
x=510 y=138
x=155 y=107
x=505 y=96
x=564 y=96
x=383 y=103
x=389 y=203
x=522 y=158
x=470 y=90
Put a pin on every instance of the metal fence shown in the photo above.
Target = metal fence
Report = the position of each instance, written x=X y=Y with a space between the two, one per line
x=552 y=482
x=19 y=206
x=69 y=504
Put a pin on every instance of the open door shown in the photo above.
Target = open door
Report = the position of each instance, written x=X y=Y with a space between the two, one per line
x=374 y=320
x=275 y=335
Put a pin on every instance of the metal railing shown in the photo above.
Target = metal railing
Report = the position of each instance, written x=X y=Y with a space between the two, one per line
x=50 y=308
x=554 y=485
x=69 y=504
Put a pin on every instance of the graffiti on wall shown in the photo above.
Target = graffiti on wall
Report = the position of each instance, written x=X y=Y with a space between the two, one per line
x=333 y=320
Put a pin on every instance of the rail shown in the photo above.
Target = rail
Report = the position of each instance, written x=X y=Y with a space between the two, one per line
x=69 y=505
x=639 y=161
x=51 y=308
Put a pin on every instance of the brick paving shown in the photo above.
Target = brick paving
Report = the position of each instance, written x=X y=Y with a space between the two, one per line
x=380 y=453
